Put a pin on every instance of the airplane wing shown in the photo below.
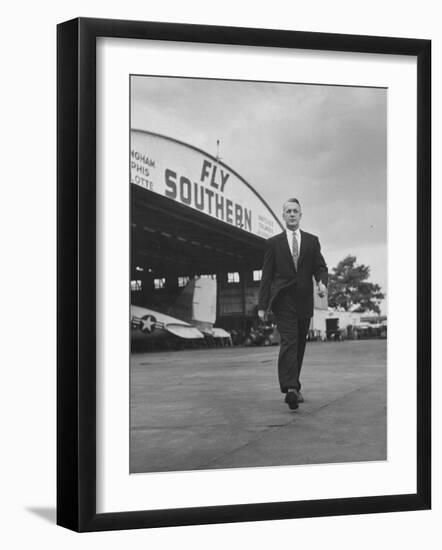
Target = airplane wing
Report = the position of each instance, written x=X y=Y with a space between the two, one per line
x=183 y=331
x=151 y=322
x=220 y=333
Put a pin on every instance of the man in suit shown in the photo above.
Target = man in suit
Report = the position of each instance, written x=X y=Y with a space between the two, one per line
x=291 y=260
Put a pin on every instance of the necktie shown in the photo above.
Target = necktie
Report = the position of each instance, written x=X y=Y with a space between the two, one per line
x=295 y=250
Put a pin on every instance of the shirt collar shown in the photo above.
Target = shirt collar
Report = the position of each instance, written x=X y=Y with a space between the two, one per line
x=297 y=232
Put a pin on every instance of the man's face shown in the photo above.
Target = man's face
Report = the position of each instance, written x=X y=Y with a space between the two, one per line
x=292 y=215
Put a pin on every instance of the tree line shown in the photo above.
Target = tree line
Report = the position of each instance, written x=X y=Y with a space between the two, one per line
x=349 y=290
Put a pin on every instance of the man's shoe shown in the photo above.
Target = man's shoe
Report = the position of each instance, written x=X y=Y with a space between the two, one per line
x=291 y=398
x=300 y=397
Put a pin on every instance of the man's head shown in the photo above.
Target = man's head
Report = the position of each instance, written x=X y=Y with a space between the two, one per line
x=291 y=213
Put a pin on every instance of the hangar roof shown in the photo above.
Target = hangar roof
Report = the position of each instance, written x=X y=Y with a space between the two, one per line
x=199 y=181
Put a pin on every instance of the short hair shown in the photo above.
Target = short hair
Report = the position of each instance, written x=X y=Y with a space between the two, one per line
x=291 y=200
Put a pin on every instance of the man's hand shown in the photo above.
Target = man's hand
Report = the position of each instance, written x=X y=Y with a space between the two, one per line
x=262 y=314
x=321 y=289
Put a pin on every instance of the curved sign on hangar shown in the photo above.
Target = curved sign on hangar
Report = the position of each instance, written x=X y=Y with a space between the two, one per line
x=198 y=180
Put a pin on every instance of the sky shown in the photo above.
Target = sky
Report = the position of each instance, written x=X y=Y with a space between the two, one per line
x=325 y=145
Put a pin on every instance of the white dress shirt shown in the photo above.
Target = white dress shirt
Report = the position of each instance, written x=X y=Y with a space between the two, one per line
x=289 y=234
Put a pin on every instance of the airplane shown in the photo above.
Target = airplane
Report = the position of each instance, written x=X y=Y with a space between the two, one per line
x=191 y=317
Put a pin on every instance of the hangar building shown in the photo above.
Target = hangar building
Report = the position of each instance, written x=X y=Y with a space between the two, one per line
x=192 y=214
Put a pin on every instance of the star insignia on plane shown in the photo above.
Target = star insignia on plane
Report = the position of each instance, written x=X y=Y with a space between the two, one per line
x=148 y=323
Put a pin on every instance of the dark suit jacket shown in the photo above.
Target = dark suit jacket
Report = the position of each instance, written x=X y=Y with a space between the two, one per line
x=278 y=272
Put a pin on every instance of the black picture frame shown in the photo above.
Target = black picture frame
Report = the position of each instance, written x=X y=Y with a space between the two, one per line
x=76 y=274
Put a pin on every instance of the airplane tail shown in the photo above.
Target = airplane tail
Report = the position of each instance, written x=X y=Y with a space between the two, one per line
x=197 y=301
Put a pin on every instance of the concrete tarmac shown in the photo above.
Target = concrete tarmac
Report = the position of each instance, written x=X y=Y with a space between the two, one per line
x=222 y=408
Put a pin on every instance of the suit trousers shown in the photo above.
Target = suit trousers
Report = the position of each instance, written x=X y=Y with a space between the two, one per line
x=293 y=332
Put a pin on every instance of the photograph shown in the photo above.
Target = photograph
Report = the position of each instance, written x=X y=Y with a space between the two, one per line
x=232 y=231
x=258 y=274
